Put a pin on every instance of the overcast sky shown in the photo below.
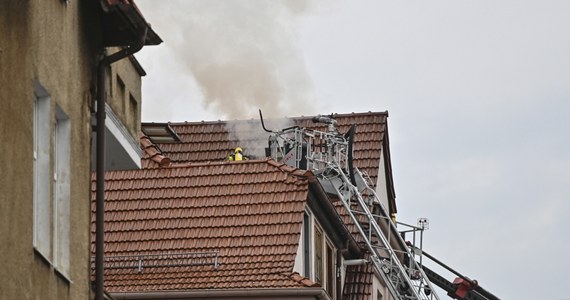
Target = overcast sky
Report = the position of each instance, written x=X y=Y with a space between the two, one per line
x=478 y=94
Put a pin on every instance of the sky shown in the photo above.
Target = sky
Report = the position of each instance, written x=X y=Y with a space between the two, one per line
x=478 y=95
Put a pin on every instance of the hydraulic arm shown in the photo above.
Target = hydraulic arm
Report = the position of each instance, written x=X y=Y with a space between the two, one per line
x=461 y=288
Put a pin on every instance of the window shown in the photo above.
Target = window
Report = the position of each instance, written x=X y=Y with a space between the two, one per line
x=61 y=191
x=120 y=95
x=307 y=242
x=329 y=269
x=121 y=88
x=51 y=224
x=324 y=264
x=318 y=255
x=41 y=183
x=134 y=111
x=134 y=106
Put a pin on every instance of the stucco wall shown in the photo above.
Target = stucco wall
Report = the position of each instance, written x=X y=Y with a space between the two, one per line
x=379 y=290
x=120 y=100
x=381 y=189
x=47 y=42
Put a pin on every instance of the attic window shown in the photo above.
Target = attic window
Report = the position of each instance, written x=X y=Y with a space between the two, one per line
x=160 y=133
x=318 y=255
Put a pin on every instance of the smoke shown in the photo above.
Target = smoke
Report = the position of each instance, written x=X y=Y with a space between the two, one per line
x=243 y=55
x=251 y=137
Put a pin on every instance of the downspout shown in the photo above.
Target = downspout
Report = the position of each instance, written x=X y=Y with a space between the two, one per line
x=100 y=154
x=339 y=270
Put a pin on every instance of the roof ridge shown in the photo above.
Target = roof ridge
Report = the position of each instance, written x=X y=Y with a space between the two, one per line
x=209 y=122
x=368 y=113
x=217 y=163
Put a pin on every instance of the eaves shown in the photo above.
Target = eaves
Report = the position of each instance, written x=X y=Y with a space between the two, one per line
x=316 y=293
x=122 y=24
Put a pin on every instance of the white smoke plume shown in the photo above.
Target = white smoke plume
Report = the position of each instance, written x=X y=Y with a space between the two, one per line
x=242 y=54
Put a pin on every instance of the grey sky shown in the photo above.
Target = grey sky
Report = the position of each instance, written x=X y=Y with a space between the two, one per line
x=478 y=94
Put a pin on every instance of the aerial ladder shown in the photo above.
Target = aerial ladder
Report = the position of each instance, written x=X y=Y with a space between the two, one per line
x=328 y=154
x=462 y=287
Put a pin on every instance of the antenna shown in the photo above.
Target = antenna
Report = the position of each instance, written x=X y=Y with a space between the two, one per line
x=263 y=124
x=271 y=131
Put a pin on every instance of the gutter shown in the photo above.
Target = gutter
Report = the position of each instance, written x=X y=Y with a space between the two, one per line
x=100 y=154
x=317 y=293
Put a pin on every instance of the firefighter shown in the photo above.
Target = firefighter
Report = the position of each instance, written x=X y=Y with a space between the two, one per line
x=237 y=155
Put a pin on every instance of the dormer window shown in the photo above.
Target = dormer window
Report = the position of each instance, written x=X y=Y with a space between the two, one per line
x=318 y=255
x=324 y=261
x=317 y=258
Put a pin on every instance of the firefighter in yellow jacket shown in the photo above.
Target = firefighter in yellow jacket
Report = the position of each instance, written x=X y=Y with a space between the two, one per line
x=237 y=155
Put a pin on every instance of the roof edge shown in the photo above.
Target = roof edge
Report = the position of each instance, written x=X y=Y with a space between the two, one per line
x=300 y=279
x=218 y=163
x=388 y=171
x=368 y=113
x=209 y=122
x=291 y=170
x=316 y=292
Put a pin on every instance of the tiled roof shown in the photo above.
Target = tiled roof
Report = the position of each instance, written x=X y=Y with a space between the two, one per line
x=249 y=212
x=358 y=282
x=213 y=141
x=152 y=154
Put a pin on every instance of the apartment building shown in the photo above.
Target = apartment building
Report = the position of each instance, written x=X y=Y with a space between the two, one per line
x=49 y=57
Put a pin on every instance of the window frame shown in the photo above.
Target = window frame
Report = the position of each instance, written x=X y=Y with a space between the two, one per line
x=307 y=241
x=324 y=260
x=51 y=184
x=329 y=268
x=62 y=191
x=42 y=221
x=318 y=254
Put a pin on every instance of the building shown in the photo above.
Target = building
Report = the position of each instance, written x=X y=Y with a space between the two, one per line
x=192 y=224
x=50 y=52
x=215 y=229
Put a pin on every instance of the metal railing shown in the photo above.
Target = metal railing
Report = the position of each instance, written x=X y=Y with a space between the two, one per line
x=165 y=260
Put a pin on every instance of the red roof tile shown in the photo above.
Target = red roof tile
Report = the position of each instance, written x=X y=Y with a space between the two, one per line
x=213 y=141
x=358 y=282
x=249 y=212
x=152 y=154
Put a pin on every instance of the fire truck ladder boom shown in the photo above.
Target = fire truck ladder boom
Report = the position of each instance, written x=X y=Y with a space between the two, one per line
x=329 y=156
x=403 y=281
x=462 y=287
